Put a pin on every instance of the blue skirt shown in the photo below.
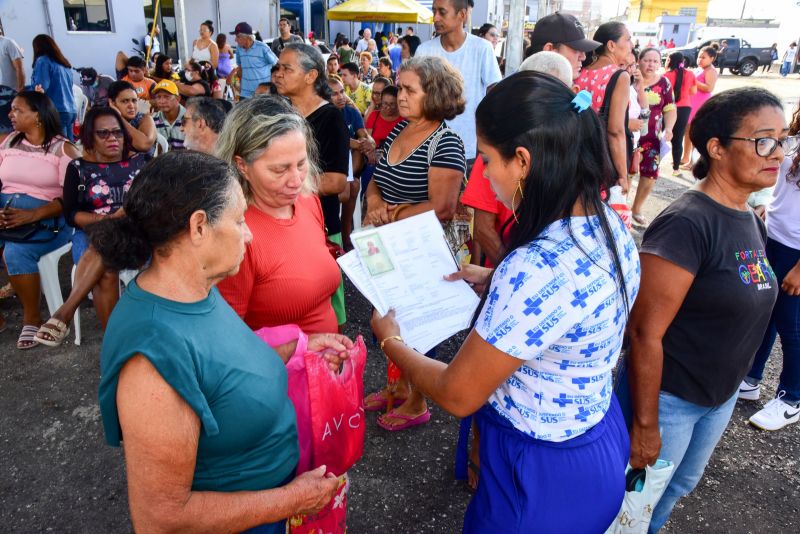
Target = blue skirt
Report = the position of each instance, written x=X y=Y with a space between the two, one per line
x=530 y=485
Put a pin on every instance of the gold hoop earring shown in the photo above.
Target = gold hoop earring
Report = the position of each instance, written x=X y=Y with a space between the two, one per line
x=514 y=199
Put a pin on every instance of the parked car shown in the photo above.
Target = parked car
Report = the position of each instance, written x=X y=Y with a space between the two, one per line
x=739 y=56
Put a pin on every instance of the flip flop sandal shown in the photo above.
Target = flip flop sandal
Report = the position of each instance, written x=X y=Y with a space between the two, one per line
x=410 y=421
x=375 y=402
x=56 y=329
x=27 y=338
x=639 y=219
x=7 y=291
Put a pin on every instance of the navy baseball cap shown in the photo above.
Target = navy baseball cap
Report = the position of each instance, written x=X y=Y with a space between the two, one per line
x=243 y=27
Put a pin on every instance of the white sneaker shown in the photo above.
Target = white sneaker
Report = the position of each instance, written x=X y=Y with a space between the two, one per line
x=776 y=414
x=748 y=392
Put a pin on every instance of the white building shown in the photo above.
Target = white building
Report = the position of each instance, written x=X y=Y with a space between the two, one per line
x=90 y=32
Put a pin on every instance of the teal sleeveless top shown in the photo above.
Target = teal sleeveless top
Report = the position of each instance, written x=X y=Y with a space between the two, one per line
x=234 y=382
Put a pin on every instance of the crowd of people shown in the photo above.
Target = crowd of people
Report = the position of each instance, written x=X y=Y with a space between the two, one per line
x=233 y=215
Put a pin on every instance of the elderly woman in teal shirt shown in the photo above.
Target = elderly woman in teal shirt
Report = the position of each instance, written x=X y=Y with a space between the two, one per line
x=199 y=401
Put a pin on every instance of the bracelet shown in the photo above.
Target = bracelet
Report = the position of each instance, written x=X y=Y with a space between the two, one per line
x=398 y=338
x=397 y=210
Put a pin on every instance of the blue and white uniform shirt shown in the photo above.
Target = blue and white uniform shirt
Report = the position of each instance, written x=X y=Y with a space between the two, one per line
x=556 y=305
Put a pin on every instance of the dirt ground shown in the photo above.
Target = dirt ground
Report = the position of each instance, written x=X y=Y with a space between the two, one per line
x=57 y=473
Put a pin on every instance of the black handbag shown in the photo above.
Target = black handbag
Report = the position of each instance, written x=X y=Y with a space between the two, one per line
x=25 y=233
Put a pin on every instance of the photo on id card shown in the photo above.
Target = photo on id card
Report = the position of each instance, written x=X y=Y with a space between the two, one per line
x=373 y=254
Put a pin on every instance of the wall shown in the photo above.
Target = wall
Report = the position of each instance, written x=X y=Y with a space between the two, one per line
x=648 y=10
x=22 y=21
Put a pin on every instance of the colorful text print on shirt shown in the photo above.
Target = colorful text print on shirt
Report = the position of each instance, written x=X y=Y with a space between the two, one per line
x=754 y=268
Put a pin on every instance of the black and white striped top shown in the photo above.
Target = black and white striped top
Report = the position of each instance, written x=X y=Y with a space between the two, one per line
x=407 y=181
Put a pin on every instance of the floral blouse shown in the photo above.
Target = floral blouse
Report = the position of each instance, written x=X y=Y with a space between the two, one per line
x=661 y=100
x=98 y=187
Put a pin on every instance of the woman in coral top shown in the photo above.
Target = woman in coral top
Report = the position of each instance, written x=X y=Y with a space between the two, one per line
x=287 y=275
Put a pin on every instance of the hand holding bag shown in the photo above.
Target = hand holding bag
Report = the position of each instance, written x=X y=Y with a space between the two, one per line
x=643 y=489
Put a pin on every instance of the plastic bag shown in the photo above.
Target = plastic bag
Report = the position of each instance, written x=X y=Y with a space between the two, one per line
x=618 y=203
x=330 y=520
x=329 y=406
x=337 y=409
x=643 y=489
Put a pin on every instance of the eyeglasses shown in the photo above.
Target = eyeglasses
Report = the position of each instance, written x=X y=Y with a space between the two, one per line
x=765 y=146
x=104 y=134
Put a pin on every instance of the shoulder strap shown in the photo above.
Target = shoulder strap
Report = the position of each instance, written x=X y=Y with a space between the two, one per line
x=434 y=143
x=605 y=109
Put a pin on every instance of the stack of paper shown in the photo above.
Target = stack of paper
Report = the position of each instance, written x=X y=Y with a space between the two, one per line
x=401 y=266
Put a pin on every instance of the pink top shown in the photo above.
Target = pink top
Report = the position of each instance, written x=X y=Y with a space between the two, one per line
x=700 y=97
x=26 y=169
x=596 y=81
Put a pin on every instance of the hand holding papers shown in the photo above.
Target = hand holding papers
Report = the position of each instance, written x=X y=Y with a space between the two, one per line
x=402 y=266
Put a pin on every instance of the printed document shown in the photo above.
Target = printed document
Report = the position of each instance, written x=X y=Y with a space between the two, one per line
x=401 y=266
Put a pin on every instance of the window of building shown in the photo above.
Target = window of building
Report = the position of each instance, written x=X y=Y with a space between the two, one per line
x=675 y=28
x=688 y=12
x=87 y=15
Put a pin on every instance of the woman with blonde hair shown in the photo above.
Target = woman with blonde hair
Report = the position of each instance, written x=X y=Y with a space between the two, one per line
x=288 y=275
x=366 y=71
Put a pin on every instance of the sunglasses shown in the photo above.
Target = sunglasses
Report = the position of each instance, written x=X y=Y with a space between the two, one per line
x=105 y=134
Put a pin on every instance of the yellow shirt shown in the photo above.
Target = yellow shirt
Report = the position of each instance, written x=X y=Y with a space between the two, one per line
x=361 y=97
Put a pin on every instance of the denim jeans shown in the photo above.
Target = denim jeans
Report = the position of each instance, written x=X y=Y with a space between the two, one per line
x=23 y=258
x=67 y=120
x=785 y=321
x=689 y=434
x=786 y=68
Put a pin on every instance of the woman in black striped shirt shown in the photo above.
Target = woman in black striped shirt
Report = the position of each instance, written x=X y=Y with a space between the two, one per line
x=422 y=169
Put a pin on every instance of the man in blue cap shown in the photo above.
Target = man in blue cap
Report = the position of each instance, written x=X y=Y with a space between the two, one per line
x=255 y=60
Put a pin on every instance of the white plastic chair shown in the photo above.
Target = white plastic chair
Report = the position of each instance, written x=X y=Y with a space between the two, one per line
x=51 y=287
x=81 y=102
x=162 y=146
x=125 y=278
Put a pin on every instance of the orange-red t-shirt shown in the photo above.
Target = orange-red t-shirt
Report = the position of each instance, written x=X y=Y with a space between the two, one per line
x=287 y=275
x=684 y=100
x=479 y=195
x=142 y=88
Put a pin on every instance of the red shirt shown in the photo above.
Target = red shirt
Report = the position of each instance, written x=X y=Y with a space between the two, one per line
x=381 y=128
x=287 y=275
x=684 y=100
x=479 y=195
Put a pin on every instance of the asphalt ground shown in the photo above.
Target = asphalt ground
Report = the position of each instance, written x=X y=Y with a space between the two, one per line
x=58 y=475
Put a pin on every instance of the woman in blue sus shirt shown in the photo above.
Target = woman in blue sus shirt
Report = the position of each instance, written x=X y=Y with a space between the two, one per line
x=537 y=364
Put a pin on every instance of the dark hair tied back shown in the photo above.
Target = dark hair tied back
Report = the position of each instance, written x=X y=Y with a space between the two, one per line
x=48 y=116
x=570 y=161
x=159 y=204
x=721 y=116
x=676 y=64
x=610 y=31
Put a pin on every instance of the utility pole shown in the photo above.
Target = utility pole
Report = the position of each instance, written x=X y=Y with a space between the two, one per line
x=516 y=30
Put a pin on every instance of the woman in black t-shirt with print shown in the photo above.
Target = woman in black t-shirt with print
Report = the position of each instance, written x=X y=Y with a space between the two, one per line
x=706 y=292
x=94 y=188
